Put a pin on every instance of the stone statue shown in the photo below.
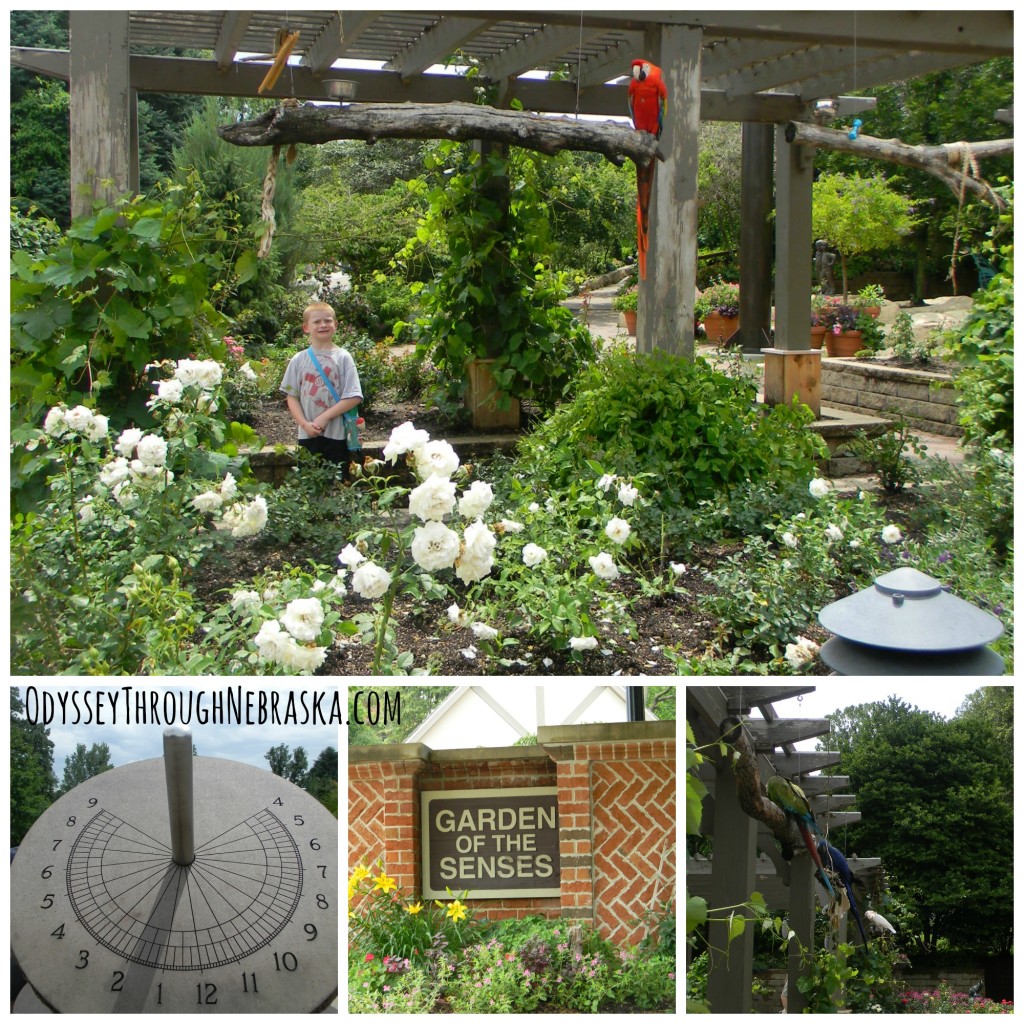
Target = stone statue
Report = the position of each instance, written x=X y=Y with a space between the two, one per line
x=824 y=261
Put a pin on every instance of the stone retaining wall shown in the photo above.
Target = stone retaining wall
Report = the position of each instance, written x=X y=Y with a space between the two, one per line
x=925 y=399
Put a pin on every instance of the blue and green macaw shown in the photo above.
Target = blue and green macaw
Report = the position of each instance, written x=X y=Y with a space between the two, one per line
x=792 y=799
x=836 y=862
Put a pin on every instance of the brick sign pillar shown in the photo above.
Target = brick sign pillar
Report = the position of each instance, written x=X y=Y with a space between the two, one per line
x=617 y=807
x=383 y=813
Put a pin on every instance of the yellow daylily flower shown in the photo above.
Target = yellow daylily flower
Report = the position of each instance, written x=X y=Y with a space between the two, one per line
x=457 y=910
x=414 y=908
x=359 y=874
x=384 y=883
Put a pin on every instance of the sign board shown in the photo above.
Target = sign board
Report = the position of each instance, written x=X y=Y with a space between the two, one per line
x=497 y=843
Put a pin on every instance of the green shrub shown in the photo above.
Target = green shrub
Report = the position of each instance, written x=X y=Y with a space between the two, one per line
x=695 y=430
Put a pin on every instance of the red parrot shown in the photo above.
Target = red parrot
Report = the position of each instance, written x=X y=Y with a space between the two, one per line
x=648 y=100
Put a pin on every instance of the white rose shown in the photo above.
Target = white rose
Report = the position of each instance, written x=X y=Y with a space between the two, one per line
x=433 y=499
x=477 y=500
x=678 y=568
x=483 y=632
x=404 y=438
x=606 y=483
x=301 y=659
x=56 y=422
x=127 y=441
x=96 y=428
x=818 y=488
x=152 y=450
x=800 y=653
x=247 y=371
x=78 y=418
x=533 y=507
x=604 y=566
x=583 y=643
x=245 y=601
x=434 y=546
x=114 y=472
x=511 y=526
x=617 y=530
x=204 y=373
x=628 y=494
x=891 y=535
x=371 y=581
x=833 y=533
x=125 y=495
x=789 y=540
x=533 y=554
x=351 y=556
x=247 y=520
x=270 y=639
x=303 y=618
x=208 y=501
x=170 y=391
x=86 y=513
x=435 y=458
x=456 y=616
x=228 y=488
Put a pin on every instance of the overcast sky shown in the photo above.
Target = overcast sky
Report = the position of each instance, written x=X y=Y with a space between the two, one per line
x=131 y=742
x=942 y=695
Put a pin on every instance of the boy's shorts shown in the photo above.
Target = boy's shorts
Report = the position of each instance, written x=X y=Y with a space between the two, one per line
x=330 y=449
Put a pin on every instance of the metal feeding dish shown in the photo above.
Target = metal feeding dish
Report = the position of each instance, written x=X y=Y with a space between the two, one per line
x=341 y=89
x=910 y=623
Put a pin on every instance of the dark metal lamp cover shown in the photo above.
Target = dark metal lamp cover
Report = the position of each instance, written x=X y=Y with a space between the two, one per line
x=907 y=612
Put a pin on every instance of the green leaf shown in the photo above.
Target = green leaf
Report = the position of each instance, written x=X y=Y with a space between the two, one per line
x=696 y=912
x=148 y=228
x=246 y=266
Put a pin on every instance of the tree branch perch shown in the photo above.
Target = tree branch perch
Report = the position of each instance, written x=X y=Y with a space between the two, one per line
x=459 y=122
x=939 y=161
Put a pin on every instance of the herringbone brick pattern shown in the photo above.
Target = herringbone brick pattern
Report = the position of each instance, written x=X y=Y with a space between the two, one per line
x=365 y=823
x=634 y=843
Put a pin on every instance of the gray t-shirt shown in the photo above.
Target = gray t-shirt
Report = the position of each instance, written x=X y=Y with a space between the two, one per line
x=302 y=381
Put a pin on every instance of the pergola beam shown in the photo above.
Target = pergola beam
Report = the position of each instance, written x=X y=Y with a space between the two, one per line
x=436 y=44
x=340 y=34
x=534 y=50
x=232 y=29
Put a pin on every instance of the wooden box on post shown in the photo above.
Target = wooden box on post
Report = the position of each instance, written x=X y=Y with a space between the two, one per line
x=793 y=373
x=482 y=397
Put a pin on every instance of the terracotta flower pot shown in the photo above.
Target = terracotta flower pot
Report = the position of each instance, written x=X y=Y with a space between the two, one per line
x=629 y=315
x=842 y=346
x=720 y=329
x=817 y=336
x=874 y=311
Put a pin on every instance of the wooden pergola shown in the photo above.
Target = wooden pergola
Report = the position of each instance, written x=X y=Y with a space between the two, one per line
x=764 y=69
x=746 y=855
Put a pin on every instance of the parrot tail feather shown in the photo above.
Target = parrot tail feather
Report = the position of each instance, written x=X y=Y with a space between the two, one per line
x=644 y=181
x=813 y=851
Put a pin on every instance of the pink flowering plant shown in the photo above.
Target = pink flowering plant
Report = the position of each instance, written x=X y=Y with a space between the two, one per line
x=945 y=999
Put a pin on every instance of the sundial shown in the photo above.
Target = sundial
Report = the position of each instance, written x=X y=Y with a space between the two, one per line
x=179 y=884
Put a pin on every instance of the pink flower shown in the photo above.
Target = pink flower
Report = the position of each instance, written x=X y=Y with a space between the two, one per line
x=369 y=957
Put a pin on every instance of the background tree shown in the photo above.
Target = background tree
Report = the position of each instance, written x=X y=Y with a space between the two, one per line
x=290 y=766
x=32 y=780
x=937 y=807
x=322 y=779
x=857 y=214
x=84 y=764
x=416 y=703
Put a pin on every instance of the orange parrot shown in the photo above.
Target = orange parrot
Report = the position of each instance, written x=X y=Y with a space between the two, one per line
x=648 y=101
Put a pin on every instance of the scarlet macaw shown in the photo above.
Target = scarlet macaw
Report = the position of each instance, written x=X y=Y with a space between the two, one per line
x=834 y=860
x=648 y=101
x=791 y=798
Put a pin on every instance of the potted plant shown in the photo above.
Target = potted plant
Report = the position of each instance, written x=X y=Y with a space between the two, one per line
x=718 y=309
x=842 y=335
x=820 y=304
x=625 y=303
x=870 y=299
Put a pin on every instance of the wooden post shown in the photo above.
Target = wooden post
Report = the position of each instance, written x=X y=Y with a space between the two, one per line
x=787 y=361
x=735 y=842
x=801 y=920
x=665 y=307
x=101 y=103
x=755 y=237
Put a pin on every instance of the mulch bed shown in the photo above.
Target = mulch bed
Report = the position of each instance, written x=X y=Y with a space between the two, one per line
x=671 y=621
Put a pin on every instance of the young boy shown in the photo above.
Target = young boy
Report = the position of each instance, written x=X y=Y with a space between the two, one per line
x=316 y=411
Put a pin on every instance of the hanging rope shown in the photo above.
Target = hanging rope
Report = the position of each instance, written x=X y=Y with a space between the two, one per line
x=968 y=164
x=579 y=66
x=267 y=203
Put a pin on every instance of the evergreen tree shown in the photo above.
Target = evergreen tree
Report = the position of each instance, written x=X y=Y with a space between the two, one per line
x=84 y=764
x=32 y=780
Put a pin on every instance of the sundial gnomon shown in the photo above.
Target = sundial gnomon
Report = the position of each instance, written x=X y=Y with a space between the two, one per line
x=128 y=895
